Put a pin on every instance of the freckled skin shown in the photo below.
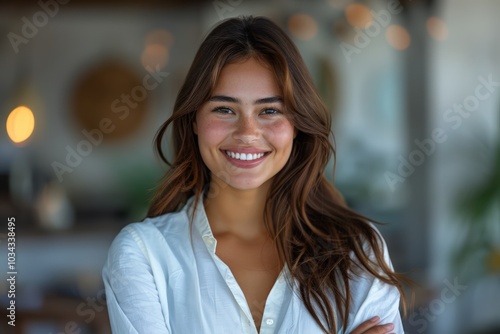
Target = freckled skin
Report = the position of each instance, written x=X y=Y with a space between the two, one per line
x=245 y=125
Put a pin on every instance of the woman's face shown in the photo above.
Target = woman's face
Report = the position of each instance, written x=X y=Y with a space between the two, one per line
x=243 y=134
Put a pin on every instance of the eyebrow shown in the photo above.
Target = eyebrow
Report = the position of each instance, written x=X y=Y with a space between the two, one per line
x=223 y=98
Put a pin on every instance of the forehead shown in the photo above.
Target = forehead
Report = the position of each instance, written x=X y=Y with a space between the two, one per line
x=247 y=79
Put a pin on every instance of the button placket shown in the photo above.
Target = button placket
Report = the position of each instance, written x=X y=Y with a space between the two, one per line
x=273 y=306
x=238 y=296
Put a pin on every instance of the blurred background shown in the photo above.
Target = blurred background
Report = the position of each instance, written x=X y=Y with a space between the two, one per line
x=413 y=85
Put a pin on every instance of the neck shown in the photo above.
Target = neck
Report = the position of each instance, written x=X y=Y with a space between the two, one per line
x=237 y=212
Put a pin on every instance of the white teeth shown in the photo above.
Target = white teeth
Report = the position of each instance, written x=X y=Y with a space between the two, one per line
x=245 y=156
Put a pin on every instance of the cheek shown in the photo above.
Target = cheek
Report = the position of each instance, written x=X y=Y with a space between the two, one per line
x=211 y=131
x=280 y=134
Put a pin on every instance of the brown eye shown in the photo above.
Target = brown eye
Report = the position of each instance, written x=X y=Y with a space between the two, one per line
x=223 y=110
x=271 y=111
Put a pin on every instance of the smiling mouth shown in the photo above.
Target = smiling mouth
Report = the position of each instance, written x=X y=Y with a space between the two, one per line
x=245 y=156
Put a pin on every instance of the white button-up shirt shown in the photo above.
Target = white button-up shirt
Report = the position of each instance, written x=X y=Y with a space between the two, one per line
x=160 y=279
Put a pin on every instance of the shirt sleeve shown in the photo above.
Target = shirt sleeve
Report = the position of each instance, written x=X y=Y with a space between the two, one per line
x=132 y=296
x=371 y=297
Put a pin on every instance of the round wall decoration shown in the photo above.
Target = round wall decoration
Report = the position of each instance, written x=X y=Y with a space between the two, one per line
x=110 y=97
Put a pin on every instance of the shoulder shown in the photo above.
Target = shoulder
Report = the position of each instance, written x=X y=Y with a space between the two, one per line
x=157 y=246
x=375 y=244
x=375 y=254
x=167 y=226
x=151 y=235
x=371 y=296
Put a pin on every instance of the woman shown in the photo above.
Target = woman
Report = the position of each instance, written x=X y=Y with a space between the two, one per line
x=245 y=234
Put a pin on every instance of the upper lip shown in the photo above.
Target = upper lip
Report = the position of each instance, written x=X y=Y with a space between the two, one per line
x=251 y=150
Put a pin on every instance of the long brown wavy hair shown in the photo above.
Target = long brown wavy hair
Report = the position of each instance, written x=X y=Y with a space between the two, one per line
x=316 y=235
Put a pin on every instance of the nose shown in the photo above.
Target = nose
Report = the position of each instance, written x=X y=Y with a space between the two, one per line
x=247 y=129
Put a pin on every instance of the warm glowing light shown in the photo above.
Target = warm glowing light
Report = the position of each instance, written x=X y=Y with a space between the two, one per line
x=20 y=124
x=154 y=55
x=156 y=49
x=160 y=36
x=398 y=37
x=437 y=28
x=358 y=15
x=303 y=26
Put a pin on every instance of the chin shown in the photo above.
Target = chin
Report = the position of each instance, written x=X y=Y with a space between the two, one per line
x=246 y=185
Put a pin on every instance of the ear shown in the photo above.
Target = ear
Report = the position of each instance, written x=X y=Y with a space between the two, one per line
x=295 y=132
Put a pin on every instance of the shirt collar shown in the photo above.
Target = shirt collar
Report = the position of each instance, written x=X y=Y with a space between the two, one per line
x=200 y=222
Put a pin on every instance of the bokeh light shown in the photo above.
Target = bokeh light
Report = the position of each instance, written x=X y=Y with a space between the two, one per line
x=20 y=124
x=154 y=55
x=156 y=49
x=302 y=26
x=436 y=28
x=398 y=37
x=358 y=15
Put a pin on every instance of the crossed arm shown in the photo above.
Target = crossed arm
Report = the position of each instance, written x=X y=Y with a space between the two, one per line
x=373 y=326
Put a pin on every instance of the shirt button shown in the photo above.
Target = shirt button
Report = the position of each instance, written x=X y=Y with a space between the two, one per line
x=269 y=322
